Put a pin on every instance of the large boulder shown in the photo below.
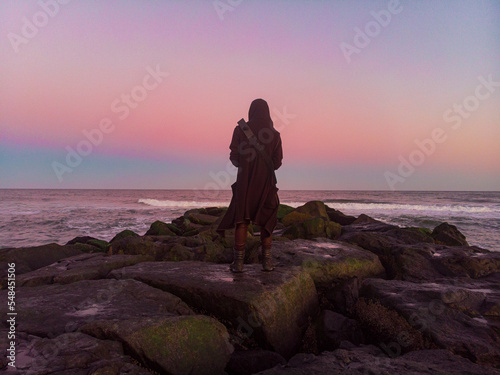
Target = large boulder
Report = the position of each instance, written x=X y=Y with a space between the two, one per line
x=408 y=254
x=310 y=221
x=194 y=344
x=31 y=258
x=456 y=314
x=339 y=217
x=159 y=228
x=327 y=261
x=123 y=234
x=368 y=360
x=271 y=308
x=448 y=234
x=101 y=245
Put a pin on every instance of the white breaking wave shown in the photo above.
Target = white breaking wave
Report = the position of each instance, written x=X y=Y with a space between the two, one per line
x=181 y=204
x=415 y=207
x=391 y=207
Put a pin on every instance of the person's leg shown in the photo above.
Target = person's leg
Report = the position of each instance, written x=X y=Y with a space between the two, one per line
x=240 y=237
x=266 y=243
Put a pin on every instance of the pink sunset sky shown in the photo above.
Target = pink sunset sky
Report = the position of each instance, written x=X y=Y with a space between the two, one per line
x=352 y=108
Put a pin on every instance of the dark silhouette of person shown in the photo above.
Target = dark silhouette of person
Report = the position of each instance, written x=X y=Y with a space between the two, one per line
x=255 y=195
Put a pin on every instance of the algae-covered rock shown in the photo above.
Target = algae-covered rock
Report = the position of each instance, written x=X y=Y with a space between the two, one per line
x=295 y=217
x=159 y=228
x=326 y=260
x=99 y=244
x=314 y=227
x=271 y=308
x=179 y=345
x=123 y=234
x=313 y=209
x=283 y=210
x=133 y=245
x=333 y=230
x=448 y=234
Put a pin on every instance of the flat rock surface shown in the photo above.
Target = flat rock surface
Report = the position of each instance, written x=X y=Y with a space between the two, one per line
x=366 y=360
x=327 y=260
x=50 y=310
x=270 y=307
x=459 y=316
x=70 y=354
x=76 y=268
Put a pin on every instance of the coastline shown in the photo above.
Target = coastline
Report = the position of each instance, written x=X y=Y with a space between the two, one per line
x=344 y=287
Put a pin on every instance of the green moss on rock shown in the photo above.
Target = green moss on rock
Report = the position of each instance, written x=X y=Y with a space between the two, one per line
x=183 y=345
x=123 y=234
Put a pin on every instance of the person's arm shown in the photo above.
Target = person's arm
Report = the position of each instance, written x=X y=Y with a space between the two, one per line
x=234 y=156
x=278 y=154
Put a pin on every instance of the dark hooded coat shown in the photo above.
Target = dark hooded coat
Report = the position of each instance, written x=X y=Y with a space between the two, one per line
x=255 y=195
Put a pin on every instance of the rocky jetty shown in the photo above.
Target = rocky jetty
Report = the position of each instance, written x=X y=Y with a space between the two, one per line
x=349 y=295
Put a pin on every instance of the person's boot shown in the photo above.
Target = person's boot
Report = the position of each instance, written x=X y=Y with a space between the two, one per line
x=240 y=236
x=267 y=259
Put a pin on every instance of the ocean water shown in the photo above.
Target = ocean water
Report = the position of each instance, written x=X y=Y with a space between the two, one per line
x=35 y=217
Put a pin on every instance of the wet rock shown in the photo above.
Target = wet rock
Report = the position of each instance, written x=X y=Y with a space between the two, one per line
x=283 y=210
x=124 y=234
x=447 y=234
x=453 y=313
x=87 y=240
x=247 y=362
x=76 y=268
x=72 y=353
x=203 y=219
x=326 y=260
x=365 y=223
x=310 y=210
x=159 y=228
x=271 y=308
x=31 y=258
x=339 y=217
x=423 y=261
x=51 y=310
x=146 y=246
x=366 y=360
x=192 y=344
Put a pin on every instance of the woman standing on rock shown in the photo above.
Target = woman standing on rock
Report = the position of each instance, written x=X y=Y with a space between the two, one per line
x=256 y=152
